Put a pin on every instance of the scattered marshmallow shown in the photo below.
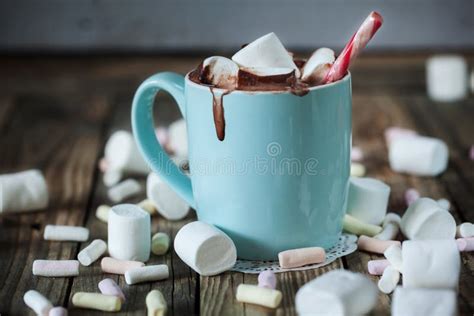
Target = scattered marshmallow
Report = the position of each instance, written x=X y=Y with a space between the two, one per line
x=116 y=266
x=155 y=303
x=66 y=233
x=471 y=150
x=338 y=292
x=97 y=301
x=92 y=252
x=465 y=230
x=162 y=135
x=147 y=274
x=129 y=233
x=148 y=205
x=356 y=154
x=103 y=165
x=160 y=243
x=357 y=169
x=389 y=280
x=357 y=227
x=368 y=199
x=220 y=71
x=266 y=51
x=299 y=257
x=444 y=203
x=267 y=279
x=425 y=219
x=374 y=245
x=393 y=133
x=394 y=255
x=178 y=138
x=446 y=78
x=23 y=191
x=317 y=66
x=465 y=244
x=110 y=287
x=168 y=203
x=122 y=154
x=58 y=311
x=124 y=190
x=102 y=213
x=206 y=249
x=112 y=177
x=56 y=268
x=390 y=227
x=415 y=302
x=431 y=264
x=248 y=293
x=411 y=195
x=37 y=302
x=376 y=267
x=418 y=155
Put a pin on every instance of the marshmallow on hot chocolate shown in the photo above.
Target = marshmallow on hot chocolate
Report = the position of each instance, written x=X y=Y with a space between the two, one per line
x=266 y=51
x=318 y=65
x=425 y=219
x=219 y=71
x=415 y=302
x=431 y=264
x=368 y=199
x=338 y=292
x=418 y=155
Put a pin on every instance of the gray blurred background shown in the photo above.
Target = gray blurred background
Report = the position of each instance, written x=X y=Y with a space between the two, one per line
x=187 y=26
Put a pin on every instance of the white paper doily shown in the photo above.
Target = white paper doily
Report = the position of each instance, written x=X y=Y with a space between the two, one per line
x=346 y=245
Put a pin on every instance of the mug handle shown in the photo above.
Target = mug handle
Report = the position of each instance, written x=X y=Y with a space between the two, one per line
x=144 y=130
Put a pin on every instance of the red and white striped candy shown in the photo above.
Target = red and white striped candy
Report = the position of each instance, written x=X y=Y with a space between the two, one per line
x=358 y=41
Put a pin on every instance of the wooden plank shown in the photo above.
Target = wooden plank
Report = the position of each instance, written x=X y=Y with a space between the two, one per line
x=34 y=128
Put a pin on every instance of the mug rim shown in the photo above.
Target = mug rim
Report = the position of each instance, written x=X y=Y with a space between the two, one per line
x=252 y=92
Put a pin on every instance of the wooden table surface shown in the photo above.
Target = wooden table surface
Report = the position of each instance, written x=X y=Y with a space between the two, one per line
x=57 y=113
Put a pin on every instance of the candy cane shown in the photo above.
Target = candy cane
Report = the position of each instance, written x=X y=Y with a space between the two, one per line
x=358 y=41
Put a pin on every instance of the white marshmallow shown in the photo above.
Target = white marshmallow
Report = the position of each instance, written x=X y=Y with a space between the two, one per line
x=37 y=302
x=425 y=219
x=129 y=235
x=124 y=190
x=266 y=51
x=318 y=64
x=390 y=227
x=368 y=199
x=394 y=255
x=431 y=264
x=92 y=252
x=55 y=268
x=206 y=249
x=222 y=72
x=23 y=191
x=112 y=177
x=121 y=152
x=168 y=203
x=389 y=280
x=465 y=230
x=102 y=213
x=418 y=155
x=147 y=274
x=416 y=302
x=178 y=138
x=446 y=78
x=444 y=203
x=268 y=72
x=65 y=233
x=394 y=132
x=338 y=292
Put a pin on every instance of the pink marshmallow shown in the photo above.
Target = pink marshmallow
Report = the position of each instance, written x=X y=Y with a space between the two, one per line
x=58 y=311
x=377 y=267
x=56 y=268
x=267 y=279
x=356 y=154
x=110 y=287
x=411 y=195
x=116 y=266
x=375 y=245
x=465 y=244
x=393 y=133
x=162 y=135
x=471 y=152
x=103 y=165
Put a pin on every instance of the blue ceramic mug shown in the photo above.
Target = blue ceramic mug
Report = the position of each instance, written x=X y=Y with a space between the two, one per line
x=277 y=181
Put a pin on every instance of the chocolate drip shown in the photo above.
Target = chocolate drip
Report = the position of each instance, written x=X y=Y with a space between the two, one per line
x=218 y=112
